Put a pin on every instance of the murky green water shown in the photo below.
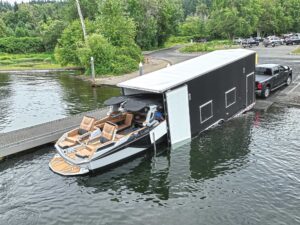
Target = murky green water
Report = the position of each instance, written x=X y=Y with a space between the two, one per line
x=28 y=100
x=243 y=172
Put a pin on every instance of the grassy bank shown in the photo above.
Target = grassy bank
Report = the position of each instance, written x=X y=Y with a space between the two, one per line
x=173 y=41
x=208 y=46
x=28 y=61
x=296 y=51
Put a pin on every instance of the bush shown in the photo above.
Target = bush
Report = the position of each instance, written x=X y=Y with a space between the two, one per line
x=207 y=46
x=124 y=64
x=108 y=59
x=102 y=51
x=132 y=51
x=21 y=45
x=66 y=48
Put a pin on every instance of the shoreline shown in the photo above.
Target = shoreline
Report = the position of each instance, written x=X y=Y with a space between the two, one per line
x=37 y=71
x=151 y=66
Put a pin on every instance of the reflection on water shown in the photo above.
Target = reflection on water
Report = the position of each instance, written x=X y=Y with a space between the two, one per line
x=5 y=95
x=243 y=172
x=28 y=100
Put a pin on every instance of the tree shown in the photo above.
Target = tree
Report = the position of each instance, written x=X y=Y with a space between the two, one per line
x=103 y=52
x=234 y=18
x=193 y=26
x=144 y=14
x=51 y=32
x=272 y=19
x=169 y=15
x=66 y=48
x=114 y=24
x=89 y=9
x=223 y=23
x=189 y=7
x=3 y=29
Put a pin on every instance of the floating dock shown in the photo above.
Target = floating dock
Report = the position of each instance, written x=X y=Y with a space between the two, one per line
x=21 y=140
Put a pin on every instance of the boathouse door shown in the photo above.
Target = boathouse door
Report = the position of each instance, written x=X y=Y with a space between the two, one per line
x=178 y=114
x=250 y=89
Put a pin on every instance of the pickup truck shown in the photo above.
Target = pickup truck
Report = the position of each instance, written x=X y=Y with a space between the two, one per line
x=269 y=77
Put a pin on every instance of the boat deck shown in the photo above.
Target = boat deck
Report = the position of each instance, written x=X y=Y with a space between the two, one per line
x=24 y=139
x=59 y=165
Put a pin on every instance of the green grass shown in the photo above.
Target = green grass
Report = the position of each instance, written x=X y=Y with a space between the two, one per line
x=180 y=40
x=208 y=46
x=296 y=51
x=28 y=61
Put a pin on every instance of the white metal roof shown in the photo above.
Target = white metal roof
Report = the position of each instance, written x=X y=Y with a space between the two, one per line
x=167 y=78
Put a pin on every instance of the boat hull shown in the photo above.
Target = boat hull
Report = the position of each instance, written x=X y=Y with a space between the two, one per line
x=63 y=166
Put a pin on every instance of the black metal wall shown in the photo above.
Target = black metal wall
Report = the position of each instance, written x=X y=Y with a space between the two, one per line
x=212 y=86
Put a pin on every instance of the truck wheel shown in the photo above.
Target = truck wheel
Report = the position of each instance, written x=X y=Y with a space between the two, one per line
x=289 y=80
x=266 y=93
x=273 y=45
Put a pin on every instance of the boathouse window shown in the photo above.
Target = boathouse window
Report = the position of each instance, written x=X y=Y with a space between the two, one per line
x=230 y=97
x=206 y=111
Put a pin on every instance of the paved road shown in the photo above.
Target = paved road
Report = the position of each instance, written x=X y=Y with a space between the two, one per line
x=172 y=55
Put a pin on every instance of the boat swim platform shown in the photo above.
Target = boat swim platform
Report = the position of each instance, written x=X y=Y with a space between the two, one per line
x=28 y=138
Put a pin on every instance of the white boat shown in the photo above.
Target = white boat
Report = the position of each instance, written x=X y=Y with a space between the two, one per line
x=133 y=124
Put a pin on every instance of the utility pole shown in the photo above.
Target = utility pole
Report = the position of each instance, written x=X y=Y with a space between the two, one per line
x=81 y=20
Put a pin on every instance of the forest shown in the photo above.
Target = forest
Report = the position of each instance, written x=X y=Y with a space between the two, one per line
x=118 y=30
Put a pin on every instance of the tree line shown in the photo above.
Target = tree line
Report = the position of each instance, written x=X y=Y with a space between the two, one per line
x=119 y=29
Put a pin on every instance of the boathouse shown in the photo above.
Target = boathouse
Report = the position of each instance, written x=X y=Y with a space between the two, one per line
x=200 y=92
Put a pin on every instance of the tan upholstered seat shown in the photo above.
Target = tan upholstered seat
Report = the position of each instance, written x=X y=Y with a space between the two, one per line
x=109 y=131
x=127 y=123
x=87 y=123
x=75 y=135
x=107 y=136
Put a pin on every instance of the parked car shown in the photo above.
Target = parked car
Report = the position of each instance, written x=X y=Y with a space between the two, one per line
x=272 y=41
x=260 y=39
x=199 y=40
x=249 y=42
x=269 y=77
x=293 y=40
x=237 y=41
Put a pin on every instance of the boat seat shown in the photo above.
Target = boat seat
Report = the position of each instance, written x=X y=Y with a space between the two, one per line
x=127 y=122
x=108 y=132
x=86 y=125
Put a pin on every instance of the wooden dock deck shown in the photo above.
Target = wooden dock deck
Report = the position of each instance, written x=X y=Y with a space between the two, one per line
x=24 y=139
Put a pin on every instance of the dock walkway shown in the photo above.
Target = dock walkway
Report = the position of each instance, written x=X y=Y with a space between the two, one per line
x=24 y=139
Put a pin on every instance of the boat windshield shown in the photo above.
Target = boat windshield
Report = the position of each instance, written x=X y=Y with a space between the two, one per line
x=263 y=71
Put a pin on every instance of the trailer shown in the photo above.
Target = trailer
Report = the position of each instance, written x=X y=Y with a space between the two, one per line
x=200 y=92
x=171 y=104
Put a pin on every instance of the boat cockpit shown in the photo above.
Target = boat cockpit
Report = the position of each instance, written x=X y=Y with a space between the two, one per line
x=128 y=119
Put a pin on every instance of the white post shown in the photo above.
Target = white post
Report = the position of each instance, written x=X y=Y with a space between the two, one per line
x=154 y=143
x=141 y=69
x=93 y=69
x=168 y=65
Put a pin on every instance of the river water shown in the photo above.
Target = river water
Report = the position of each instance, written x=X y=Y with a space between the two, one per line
x=30 y=99
x=246 y=171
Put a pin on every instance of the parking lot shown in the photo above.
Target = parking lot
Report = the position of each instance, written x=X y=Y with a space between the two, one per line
x=281 y=55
